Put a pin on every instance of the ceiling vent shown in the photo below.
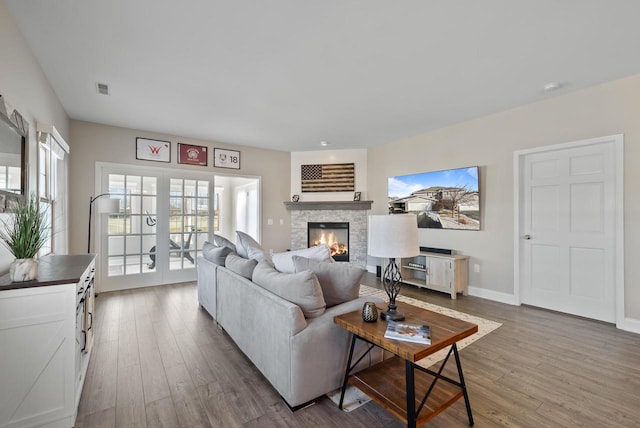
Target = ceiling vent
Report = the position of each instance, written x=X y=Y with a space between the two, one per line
x=103 y=88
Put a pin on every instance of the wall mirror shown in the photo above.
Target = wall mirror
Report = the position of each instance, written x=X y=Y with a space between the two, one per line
x=12 y=159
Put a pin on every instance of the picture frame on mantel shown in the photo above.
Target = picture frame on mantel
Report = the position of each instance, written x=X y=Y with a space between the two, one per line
x=357 y=196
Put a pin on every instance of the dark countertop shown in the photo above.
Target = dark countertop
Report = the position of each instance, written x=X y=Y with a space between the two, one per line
x=53 y=270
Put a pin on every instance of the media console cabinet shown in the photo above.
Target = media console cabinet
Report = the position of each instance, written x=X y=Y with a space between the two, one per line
x=448 y=273
x=46 y=333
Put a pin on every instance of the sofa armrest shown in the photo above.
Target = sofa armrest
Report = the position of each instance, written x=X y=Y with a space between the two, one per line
x=320 y=352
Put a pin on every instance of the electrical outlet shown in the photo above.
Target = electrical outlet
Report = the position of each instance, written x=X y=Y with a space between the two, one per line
x=476 y=267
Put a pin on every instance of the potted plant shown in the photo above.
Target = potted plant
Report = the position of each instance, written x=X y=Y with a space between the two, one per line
x=24 y=235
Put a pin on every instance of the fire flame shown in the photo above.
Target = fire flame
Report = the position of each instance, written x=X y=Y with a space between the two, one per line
x=337 y=249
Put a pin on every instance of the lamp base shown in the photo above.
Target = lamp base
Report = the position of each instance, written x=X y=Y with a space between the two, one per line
x=392 y=314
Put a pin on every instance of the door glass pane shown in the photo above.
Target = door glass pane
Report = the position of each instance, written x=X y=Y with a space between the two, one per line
x=131 y=241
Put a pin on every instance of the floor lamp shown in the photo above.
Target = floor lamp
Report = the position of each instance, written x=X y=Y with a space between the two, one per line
x=104 y=206
x=392 y=236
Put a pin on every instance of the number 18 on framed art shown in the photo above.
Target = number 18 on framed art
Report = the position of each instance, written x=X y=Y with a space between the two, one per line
x=223 y=158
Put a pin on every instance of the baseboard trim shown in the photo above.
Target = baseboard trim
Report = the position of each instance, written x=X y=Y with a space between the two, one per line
x=631 y=325
x=497 y=296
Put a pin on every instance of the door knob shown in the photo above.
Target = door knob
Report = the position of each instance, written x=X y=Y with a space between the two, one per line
x=527 y=237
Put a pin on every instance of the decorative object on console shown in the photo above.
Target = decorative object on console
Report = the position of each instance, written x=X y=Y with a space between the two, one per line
x=445 y=200
x=392 y=236
x=105 y=206
x=337 y=177
x=369 y=312
x=153 y=150
x=24 y=235
x=192 y=155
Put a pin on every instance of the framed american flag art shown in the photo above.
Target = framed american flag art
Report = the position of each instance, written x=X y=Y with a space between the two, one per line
x=333 y=177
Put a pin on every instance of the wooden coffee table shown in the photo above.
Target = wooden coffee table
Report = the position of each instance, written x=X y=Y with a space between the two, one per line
x=393 y=382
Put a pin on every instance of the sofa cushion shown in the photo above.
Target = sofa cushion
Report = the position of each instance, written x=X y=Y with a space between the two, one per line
x=284 y=261
x=221 y=241
x=302 y=289
x=240 y=265
x=340 y=282
x=248 y=247
x=215 y=254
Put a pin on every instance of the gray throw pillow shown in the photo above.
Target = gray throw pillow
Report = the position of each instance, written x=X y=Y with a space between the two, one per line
x=240 y=265
x=340 y=282
x=302 y=289
x=214 y=254
x=245 y=244
x=221 y=241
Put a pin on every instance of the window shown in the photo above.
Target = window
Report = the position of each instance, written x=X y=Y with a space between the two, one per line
x=52 y=187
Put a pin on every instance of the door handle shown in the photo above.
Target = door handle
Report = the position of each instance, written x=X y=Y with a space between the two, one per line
x=527 y=237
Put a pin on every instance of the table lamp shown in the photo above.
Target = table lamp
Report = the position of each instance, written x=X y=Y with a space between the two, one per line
x=392 y=236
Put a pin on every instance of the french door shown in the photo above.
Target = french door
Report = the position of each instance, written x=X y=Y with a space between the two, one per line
x=159 y=230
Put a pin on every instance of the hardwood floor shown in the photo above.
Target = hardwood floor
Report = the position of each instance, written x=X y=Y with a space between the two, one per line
x=160 y=361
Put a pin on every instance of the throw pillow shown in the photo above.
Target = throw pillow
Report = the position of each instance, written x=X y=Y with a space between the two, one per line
x=215 y=254
x=221 y=241
x=246 y=242
x=241 y=266
x=284 y=261
x=340 y=282
x=302 y=289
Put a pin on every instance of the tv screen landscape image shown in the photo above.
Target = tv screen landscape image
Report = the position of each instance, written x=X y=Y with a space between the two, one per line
x=446 y=199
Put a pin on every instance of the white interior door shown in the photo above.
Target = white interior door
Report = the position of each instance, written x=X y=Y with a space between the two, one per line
x=568 y=230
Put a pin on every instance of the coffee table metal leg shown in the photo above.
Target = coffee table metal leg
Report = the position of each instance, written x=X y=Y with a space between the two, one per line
x=347 y=370
x=464 y=385
x=411 y=395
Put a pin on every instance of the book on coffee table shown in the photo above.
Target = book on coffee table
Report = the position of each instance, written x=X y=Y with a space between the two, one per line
x=415 y=333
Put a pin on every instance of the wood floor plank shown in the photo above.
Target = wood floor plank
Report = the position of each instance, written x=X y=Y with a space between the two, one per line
x=130 y=406
x=162 y=414
x=154 y=379
x=102 y=392
x=102 y=419
x=187 y=403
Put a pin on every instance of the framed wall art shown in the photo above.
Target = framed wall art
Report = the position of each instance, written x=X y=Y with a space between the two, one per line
x=192 y=155
x=153 y=150
x=223 y=158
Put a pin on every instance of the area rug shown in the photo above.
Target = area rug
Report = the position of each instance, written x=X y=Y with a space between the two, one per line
x=354 y=398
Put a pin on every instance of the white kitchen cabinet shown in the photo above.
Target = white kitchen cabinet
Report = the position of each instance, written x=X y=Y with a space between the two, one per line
x=44 y=345
x=440 y=272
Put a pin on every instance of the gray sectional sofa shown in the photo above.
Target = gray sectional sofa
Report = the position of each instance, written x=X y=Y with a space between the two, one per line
x=302 y=357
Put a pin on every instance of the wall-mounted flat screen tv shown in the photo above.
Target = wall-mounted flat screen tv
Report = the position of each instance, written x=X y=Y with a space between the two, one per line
x=446 y=199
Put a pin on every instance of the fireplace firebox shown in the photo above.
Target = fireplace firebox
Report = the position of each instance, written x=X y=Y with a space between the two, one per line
x=333 y=234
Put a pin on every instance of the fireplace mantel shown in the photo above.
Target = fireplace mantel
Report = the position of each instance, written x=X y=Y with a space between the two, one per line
x=328 y=205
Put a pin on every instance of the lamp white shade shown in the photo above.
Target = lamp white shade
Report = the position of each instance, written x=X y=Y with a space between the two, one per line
x=107 y=205
x=393 y=236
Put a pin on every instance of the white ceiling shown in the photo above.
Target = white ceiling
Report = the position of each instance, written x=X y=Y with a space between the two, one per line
x=286 y=74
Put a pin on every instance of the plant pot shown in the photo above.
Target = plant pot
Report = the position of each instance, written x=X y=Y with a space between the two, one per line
x=22 y=270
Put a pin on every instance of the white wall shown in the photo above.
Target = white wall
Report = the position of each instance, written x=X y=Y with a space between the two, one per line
x=611 y=108
x=25 y=87
x=358 y=157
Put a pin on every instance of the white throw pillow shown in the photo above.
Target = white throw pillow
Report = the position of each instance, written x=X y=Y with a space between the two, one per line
x=284 y=261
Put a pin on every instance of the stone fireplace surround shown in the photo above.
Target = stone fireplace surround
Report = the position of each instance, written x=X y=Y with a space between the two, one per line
x=353 y=212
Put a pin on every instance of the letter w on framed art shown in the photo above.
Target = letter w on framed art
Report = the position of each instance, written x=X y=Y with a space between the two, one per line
x=153 y=150
x=192 y=155
x=223 y=158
